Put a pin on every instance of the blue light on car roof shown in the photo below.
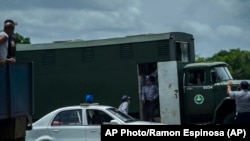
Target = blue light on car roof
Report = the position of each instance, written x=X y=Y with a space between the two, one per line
x=89 y=98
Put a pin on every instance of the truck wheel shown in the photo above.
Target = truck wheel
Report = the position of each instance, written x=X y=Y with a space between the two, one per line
x=229 y=119
x=21 y=139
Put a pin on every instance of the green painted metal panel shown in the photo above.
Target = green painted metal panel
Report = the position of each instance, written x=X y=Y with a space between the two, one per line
x=65 y=72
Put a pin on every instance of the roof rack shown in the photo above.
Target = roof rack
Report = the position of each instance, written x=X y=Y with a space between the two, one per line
x=88 y=104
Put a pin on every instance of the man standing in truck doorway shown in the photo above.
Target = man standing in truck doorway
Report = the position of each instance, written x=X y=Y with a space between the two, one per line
x=149 y=99
x=242 y=99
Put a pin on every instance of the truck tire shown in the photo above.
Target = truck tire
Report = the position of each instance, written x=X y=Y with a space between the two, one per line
x=229 y=119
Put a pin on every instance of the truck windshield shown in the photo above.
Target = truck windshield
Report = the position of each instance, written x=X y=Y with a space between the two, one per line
x=219 y=74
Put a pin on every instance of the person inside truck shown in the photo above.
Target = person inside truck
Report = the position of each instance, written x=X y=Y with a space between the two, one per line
x=242 y=99
x=195 y=78
x=191 y=79
x=199 y=79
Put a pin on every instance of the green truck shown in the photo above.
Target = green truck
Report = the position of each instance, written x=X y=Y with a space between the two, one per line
x=66 y=71
x=16 y=100
x=195 y=93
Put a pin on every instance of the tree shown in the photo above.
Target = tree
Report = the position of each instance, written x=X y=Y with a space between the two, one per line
x=22 y=40
x=237 y=59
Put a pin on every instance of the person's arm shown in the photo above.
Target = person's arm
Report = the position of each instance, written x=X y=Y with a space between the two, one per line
x=156 y=92
x=11 y=60
x=143 y=93
x=3 y=39
x=229 y=87
x=125 y=107
x=13 y=48
x=154 y=74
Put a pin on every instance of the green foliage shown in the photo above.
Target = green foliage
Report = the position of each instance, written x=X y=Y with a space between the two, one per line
x=22 y=40
x=238 y=60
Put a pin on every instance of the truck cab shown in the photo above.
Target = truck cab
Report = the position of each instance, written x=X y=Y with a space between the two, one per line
x=204 y=88
x=195 y=93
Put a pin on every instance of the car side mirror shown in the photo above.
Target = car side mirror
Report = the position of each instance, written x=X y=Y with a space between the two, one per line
x=29 y=126
x=114 y=122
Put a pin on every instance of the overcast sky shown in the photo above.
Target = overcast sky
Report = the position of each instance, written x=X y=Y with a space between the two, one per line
x=216 y=24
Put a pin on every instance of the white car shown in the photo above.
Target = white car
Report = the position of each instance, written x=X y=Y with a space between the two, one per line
x=78 y=123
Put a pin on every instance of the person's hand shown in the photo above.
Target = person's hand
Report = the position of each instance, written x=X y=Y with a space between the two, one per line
x=11 y=60
x=230 y=83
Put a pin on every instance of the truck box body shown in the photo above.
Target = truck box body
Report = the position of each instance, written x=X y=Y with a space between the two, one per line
x=16 y=99
x=16 y=90
x=106 y=68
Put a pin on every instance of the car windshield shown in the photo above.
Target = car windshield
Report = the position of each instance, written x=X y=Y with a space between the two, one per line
x=121 y=115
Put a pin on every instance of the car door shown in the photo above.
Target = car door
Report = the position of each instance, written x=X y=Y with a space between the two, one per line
x=93 y=133
x=68 y=126
x=96 y=118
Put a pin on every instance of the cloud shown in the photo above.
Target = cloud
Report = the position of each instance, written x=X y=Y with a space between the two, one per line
x=215 y=24
x=200 y=29
x=229 y=31
x=81 y=19
x=97 y=5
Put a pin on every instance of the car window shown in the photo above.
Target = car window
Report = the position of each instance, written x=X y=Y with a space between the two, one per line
x=68 y=118
x=120 y=115
x=97 y=117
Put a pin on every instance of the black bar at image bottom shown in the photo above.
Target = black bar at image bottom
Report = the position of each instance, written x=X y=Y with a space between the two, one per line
x=194 y=132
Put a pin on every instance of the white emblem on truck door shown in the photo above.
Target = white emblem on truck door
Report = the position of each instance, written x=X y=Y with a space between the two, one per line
x=198 y=99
